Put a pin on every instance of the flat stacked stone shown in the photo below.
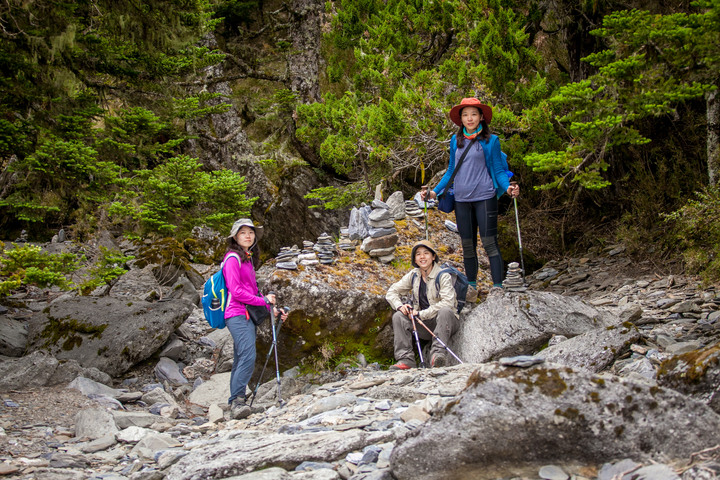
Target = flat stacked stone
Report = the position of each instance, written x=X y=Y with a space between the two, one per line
x=514 y=280
x=307 y=256
x=383 y=234
x=287 y=258
x=308 y=259
x=325 y=249
x=451 y=226
x=396 y=204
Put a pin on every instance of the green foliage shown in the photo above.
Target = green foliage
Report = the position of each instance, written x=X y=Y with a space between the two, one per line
x=110 y=265
x=338 y=197
x=55 y=177
x=654 y=63
x=29 y=265
x=698 y=233
x=412 y=61
x=71 y=77
x=177 y=195
x=201 y=105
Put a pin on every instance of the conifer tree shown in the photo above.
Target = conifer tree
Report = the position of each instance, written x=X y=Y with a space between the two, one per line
x=654 y=63
x=386 y=120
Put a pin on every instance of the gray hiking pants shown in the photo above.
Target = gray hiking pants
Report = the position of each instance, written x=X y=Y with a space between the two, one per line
x=444 y=326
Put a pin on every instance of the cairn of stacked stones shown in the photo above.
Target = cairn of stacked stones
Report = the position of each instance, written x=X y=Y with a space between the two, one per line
x=514 y=279
x=325 y=249
x=383 y=236
x=416 y=207
x=344 y=243
x=412 y=209
x=287 y=258
x=307 y=257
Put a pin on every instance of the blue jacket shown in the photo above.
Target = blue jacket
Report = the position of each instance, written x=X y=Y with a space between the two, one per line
x=493 y=160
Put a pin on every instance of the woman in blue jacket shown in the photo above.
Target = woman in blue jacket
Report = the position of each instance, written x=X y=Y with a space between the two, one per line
x=479 y=183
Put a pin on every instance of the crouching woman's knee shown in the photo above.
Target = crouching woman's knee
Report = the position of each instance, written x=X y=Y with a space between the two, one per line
x=400 y=321
x=446 y=318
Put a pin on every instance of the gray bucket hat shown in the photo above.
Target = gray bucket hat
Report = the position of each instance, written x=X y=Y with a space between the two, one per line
x=423 y=243
x=246 y=222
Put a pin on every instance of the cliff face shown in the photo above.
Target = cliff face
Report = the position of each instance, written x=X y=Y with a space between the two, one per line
x=272 y=64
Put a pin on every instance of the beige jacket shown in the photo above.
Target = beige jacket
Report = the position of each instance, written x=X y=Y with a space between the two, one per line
x=405 y=286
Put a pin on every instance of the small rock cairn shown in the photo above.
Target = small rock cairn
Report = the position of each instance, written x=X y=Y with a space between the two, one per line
x=412 y=209
x=287 y=258
x=416 y=207
x=344 y=243
x=325 y=249
x=514 y=280
x=322 y=252
x=308 y=257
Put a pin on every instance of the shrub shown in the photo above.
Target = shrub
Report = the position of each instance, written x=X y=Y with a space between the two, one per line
x=29 y=265
x=110 y=265
x=698 y=233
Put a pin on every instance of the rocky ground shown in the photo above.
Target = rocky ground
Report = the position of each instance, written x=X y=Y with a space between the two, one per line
x=368 y=409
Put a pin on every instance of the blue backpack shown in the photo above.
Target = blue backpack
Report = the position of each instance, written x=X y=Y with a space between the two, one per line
x=459 y=283
x=215 y=297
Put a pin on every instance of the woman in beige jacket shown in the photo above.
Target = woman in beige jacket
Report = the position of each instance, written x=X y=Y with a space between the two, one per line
x=437 y=308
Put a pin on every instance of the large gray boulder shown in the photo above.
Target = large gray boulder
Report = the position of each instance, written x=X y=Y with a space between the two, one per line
x=107 y=333
x=594 y=350
x=34 y=370
x=13 y=336
x=39 y=369
x=509 y=418
x=327 y=309
x=521 y=323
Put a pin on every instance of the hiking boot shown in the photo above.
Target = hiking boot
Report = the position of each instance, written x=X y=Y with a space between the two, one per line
x=400 y=366
x=438 y=360
x=472 y=294
x=239 y=409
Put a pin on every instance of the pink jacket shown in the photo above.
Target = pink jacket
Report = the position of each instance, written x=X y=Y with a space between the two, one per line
x=241 y=285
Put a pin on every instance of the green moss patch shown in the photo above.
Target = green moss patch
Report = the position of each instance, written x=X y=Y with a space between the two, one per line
x=69 y=332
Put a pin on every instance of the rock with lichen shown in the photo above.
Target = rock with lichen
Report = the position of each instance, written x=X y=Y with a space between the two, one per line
x=695 y=373
x=107 y=333
x=550 y=414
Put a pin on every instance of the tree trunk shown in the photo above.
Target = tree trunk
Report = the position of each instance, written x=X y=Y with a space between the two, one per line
x=304 y=63
x=713 y=136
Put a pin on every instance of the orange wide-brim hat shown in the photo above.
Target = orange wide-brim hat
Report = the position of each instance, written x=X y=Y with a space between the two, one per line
x=470 y=102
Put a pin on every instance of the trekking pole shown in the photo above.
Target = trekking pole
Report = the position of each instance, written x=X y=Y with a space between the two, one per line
x=441 y=342
x=267 y=359
x=417 y=339
x=517 y=223
x=277 y=364
x=425 y=200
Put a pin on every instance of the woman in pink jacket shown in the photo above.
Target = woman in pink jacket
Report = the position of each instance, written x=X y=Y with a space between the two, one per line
x=243 y=290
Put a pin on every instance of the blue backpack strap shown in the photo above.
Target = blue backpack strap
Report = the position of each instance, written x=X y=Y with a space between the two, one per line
x=231 y=255
x=437 y=280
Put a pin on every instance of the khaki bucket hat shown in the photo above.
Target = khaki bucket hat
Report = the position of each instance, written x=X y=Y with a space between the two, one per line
x=246 y=222
x=423 y=243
